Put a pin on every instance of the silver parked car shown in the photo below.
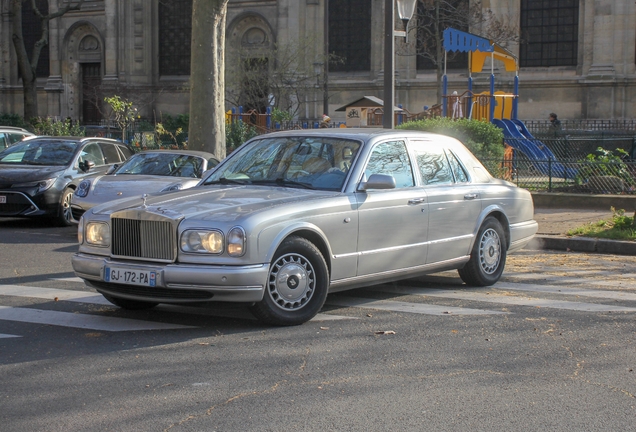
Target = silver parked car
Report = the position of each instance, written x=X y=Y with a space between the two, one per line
x=291 y=216
x=149 y=171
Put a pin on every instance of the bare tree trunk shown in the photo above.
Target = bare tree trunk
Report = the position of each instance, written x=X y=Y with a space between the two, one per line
x=207 y=77
x=24 y=65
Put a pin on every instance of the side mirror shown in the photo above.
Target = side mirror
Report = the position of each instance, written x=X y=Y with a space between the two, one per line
x=378 y=181
x=86 y=166
x=112 y=169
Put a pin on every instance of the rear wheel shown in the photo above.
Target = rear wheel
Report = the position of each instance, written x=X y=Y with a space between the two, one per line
x=64 y=216
x=297 y=284
x=488 y=257
x=130 y=304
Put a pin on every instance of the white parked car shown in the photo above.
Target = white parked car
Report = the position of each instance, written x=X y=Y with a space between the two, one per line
x=291 y=216
x=149 y=171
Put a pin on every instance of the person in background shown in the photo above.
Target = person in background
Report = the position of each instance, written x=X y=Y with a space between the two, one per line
x=555 y=124
x=325 y=121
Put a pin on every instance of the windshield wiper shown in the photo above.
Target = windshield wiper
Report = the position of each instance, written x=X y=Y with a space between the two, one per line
x=226 y=181
x=284 y=182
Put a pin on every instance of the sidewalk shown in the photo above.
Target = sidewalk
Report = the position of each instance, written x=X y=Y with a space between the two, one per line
x=557 y=215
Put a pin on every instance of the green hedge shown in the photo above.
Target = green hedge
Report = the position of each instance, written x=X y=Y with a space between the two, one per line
x=483 y=139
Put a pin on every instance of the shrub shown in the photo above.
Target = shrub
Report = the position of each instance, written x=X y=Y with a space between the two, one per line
x=52 y=127
x=483 y=139
x=15 y=120
x=604 y=163
x=236 y=133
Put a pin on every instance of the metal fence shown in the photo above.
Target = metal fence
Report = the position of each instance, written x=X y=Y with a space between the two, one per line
x=549 y=175
x=597 y=127
x=572 y=148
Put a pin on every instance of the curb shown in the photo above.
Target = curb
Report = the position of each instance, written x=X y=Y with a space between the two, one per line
x=582 y=244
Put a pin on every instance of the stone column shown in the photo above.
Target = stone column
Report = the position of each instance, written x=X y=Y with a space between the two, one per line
x=111 y=66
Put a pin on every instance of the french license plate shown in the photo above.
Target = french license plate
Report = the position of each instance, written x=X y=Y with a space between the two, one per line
x=3 y=199
x=130 y=277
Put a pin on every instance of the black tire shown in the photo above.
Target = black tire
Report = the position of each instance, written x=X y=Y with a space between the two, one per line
x=64 y=215
x=488 y=257
x=130 y=304
x=297 y=284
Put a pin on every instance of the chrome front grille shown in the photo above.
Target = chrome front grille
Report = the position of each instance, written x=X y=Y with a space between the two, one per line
x=144 y=239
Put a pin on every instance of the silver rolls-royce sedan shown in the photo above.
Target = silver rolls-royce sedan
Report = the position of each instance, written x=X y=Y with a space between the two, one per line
x=291 y=216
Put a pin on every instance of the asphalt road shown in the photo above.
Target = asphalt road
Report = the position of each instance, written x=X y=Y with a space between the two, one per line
x=550 y=347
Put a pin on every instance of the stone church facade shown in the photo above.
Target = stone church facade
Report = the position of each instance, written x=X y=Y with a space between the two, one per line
x=585 y=68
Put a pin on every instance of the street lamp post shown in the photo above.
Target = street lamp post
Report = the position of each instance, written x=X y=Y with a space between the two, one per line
x=406 y=8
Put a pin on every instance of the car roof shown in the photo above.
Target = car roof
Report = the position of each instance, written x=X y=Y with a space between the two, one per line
x=15 y=129
x=353 y=133
x=203 y=154
x=80 y=139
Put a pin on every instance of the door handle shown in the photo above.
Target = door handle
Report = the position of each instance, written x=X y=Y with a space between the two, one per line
x=471 y=196
x=417 y=201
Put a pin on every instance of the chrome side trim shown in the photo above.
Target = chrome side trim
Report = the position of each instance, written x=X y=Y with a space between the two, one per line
x=392 y=275
x=397 y=248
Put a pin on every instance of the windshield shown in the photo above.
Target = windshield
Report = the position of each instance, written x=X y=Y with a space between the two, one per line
x=163 y=164
x=303 y=162
x=53 y=152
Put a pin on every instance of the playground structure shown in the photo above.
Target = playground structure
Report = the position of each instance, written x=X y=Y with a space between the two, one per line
x=497 y=107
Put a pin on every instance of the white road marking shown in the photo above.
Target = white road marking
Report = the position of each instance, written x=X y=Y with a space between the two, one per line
x=552 y=289
x=53 y=294
x=6 y=336
x=71 y=279
x=622 y=281
x=493 y=297
x=83 y=321
x=398 y=306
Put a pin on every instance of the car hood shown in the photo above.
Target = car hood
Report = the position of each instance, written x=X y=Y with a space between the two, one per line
x=125 y=185
x=10 y=174
x=218 y=203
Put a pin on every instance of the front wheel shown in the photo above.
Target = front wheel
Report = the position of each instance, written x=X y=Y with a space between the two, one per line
x=297 y=284
x=130 y=304
x=64 y=216
x=488 y=257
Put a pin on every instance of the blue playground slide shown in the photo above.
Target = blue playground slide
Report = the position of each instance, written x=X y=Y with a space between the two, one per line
x=518 y=137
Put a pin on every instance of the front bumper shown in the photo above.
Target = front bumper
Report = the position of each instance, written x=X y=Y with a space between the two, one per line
x=18 y=204
x=177 y=283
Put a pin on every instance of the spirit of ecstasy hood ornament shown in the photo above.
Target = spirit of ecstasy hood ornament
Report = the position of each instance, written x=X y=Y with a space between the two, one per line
x=144 y=197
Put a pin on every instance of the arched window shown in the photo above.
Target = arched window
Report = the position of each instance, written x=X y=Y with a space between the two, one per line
x=549 y=33
x=175 y=32
x=350 y=34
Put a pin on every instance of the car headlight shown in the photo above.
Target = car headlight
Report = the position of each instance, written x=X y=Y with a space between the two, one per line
x=83 y=188
x=202 y=241
x=236 y=242
x=97 y=234
x=172 y=187
x=42 y=185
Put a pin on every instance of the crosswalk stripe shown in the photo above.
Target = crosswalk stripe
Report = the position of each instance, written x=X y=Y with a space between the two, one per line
x=552 y=289
x=398 y=306
x=53 y=294
x=84 y=321
x=70 y=279
x=6 y=336
x=623 y=281
x=492 y=297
